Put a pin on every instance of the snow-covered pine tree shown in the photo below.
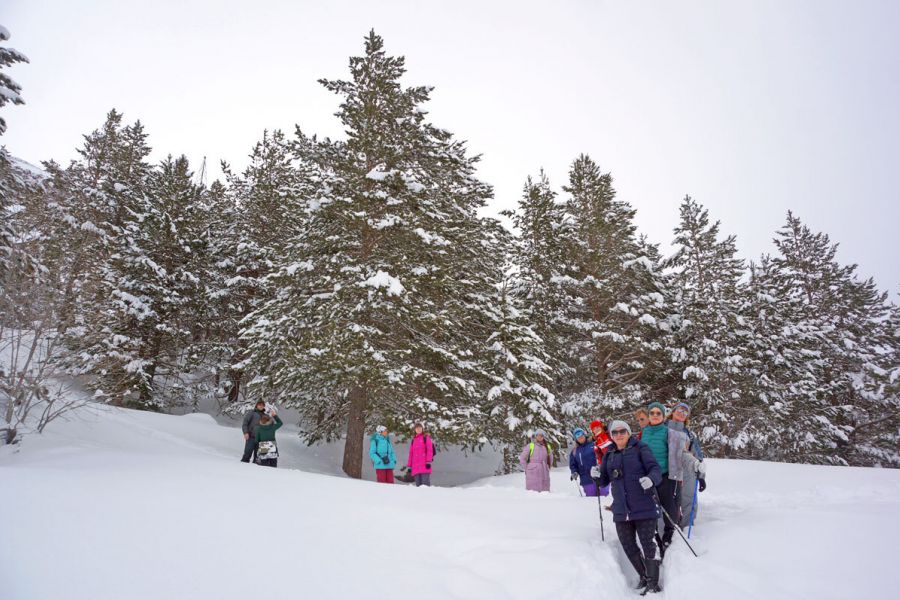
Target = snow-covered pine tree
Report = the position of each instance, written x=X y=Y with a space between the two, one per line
x=10 y=91
x=538 y=255
x=87 y=203
x=520 y=400
x=616 y=306
x=264 y=207
x=378 y=305
x=843 y=319
x=133 y=345
x=709 y=334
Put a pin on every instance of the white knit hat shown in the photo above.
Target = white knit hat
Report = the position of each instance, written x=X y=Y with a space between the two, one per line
x=615 y=425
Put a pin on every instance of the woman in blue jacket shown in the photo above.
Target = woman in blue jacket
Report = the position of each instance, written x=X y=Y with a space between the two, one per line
x=381 y=451
x=633 y=474
x=581 y=459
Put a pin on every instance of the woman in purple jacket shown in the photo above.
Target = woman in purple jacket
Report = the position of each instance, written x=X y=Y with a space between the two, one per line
x=633 y=474
x=537 y=458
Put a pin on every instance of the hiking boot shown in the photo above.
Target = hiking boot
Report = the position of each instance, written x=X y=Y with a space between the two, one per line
x=652 y=567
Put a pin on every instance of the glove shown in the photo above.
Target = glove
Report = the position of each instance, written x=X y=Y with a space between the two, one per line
x=595 y=472
x=646 y=483
x=427 y=465
x=701 y=470
x=573 y=476
x=702 y=484
x=385 y=459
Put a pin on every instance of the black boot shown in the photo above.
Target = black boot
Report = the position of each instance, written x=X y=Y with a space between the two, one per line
x=652 y=567
x=638 y=564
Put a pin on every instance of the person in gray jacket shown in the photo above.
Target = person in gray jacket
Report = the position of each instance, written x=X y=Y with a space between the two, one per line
x=249 y=427
x=695 y=470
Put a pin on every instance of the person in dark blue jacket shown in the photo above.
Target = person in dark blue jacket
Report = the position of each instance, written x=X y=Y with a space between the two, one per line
x=581 y=459
x=633 y=474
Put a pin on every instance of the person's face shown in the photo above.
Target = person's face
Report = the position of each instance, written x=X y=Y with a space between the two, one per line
x=261 y=406
x=384 y=433
x=680 y=414
x=581 y=439
x=619 y=437
x=656 y=416
x=418 y=429
x=539 y=438
x=642 y=419
x=597 y=431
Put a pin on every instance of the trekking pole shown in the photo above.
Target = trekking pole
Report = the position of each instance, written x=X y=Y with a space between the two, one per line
x=578 y=485
x=673 y=523
x=600 y=504
x=693 y=507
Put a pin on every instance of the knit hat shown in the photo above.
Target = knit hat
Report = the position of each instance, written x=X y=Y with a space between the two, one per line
x=597 y=423
x=658 y=405
x=616 y=425
x=539 y=432
x=578 y=433
x=380 y=429
x=684 y=405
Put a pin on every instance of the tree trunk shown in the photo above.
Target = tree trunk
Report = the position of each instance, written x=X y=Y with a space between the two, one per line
x=356 y=429
x=234 y=392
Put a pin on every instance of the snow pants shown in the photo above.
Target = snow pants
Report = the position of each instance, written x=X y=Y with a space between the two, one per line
x=422 y=479
x=688 y=487
x=669 y=492
x=269 y=462
x=250 y=447
x=384 y=475
x=645 y=531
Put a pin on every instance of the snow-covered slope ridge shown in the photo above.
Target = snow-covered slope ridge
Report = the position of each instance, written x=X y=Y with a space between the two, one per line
x=118 y=504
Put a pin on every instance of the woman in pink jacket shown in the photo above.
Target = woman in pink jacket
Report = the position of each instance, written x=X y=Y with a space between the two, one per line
x=421 y=453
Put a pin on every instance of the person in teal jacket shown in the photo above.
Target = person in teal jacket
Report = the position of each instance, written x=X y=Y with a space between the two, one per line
x=381 y=451
x=267 y=455
x=668 y=451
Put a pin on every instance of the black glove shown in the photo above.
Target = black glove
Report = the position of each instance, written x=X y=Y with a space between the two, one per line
x=427 y=465
x=702 y=484
x=573 y=477
x=385 y=459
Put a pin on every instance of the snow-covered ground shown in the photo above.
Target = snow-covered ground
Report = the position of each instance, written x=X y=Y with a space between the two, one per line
x=118 y=504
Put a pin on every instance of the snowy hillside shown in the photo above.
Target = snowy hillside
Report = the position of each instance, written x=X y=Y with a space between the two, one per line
x=121 y=504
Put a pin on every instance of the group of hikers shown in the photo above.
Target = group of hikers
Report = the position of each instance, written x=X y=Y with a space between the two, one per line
x=260 y=423
x=654 y=475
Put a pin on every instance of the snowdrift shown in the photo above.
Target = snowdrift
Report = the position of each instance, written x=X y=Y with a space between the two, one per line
x=119 y=504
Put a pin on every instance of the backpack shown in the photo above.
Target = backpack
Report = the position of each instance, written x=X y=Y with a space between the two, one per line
x=434 y=450
x=549 y=452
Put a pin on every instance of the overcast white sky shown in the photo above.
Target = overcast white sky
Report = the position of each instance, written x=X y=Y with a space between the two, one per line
x=753 y=108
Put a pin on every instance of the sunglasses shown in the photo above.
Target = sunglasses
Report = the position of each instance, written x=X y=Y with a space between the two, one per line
x=655 y=413
x=619 y=432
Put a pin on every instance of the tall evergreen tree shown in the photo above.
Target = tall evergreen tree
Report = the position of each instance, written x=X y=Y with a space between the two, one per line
x=841 y=321
x=379 y=298
x=709 y=335
x=615 y=303
x=10 y=91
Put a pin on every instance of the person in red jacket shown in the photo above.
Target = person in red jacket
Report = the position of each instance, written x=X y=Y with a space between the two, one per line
x=602 y=444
